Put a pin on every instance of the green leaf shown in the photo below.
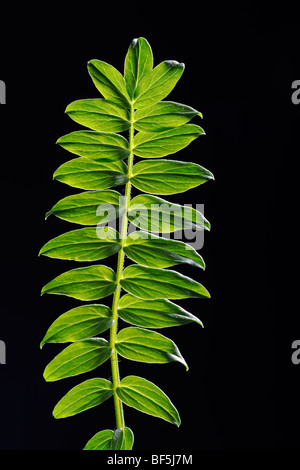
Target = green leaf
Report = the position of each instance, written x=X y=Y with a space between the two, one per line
x=89 y=283
x=160 y=144
x=82 y=397
x=77 y=358
x=79 y=323
x=99 y=115
x=143 y=345
x=99 y=146
x=100 y=441
x=162 y=116
x=85 y=244
x=152 y=283
x=158 y=83
x=157 y=215
x=138 y=62
x=87 y=174
x=159 y=313
x=149 y=250
x=89 y=208
x=122 y=439
x=144 y=396
x=168 y=176
x=109 y=82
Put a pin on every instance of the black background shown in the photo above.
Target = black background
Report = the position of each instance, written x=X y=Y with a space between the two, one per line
x=241 y=391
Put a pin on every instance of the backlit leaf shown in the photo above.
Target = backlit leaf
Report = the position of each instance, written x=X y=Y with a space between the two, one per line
x=158 y=83
x=100 y=441
x=158 y=313
x=109 y=82
x=153 y=214
x=156 y=252
x=139 y=344
x=85 y=244
x=99 y=146
x=168 y=176
x=89 y=283
x=152 y=283
x=89 y=208
x=87 y=174
x=160 y=144
x=79 y=323
x=99 y=115
x=138 y=62
x=82 y=397
x=162 y=116
x=143 y=395
x=78 y=358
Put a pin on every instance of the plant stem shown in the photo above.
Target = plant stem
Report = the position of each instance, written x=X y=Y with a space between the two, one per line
x=121 y=255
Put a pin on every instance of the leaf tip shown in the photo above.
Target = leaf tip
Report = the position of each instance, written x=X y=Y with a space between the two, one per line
x=55 y=414
x=206 y=225
x=43 y=290
x=184 y=363
x=91 y=64
x=134 y=42
x=48 y=375
x=45 y=375
x=66 y=111
x=202 y=264
x=177 y=422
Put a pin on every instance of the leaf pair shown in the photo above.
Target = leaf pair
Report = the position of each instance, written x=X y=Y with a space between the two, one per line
x=134 y=391
x=150 y=176
x=103 y=147
x=137 y=344
x=88 y=244
x=99 y=281
x=107 y=116
x=91 y=320
x=146 y=212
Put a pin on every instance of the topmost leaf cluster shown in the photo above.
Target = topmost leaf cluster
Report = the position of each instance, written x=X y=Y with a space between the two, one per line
x=142 y=88
x=142 y=85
